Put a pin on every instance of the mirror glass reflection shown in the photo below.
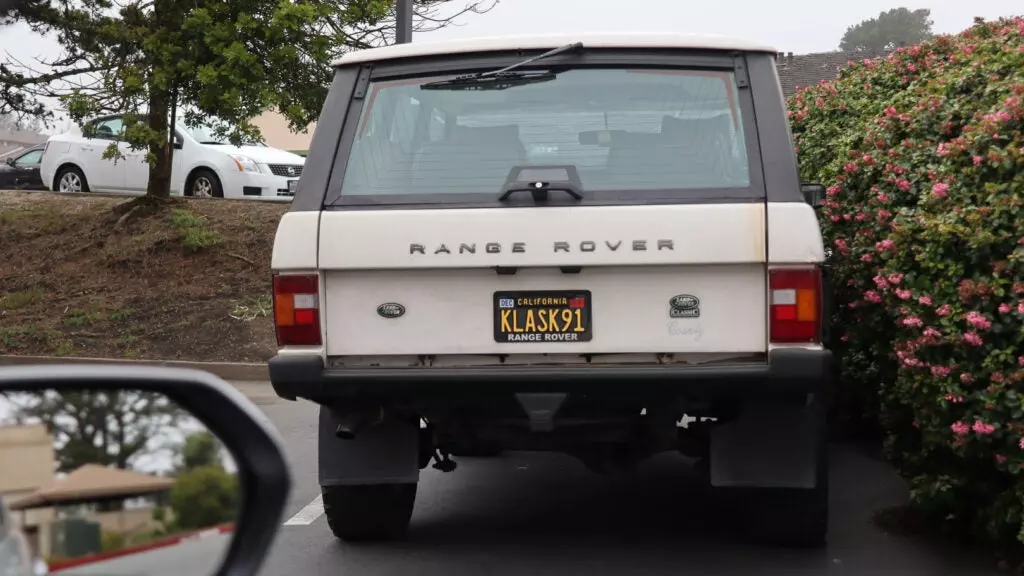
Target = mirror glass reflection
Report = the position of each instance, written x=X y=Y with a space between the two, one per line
x=112 y=483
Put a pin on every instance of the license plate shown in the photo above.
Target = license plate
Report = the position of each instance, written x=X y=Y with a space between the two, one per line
x=543 y=316
x=291 y=186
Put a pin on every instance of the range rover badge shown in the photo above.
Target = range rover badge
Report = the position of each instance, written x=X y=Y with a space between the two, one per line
x=390 y=310
x=684 y=306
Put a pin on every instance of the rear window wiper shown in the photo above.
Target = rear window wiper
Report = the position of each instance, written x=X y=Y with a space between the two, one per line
x=503 y=78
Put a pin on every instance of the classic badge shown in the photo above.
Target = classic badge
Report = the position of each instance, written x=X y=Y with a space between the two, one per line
x=390 y=310
x=684 y=306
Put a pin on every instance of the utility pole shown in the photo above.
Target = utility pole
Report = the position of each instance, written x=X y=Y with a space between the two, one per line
x=403 y=22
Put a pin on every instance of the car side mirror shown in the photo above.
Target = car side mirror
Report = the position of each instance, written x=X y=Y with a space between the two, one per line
x=222 y=448
x=178 y=143
x=10 y=161
x=814 y=194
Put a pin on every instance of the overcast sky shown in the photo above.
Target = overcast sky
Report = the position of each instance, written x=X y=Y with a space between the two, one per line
x=799 y=26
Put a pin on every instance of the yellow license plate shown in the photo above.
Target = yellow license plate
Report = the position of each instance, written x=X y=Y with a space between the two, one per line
x=543 y=316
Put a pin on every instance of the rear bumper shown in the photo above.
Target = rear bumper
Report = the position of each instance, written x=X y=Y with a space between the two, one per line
x=788 y=372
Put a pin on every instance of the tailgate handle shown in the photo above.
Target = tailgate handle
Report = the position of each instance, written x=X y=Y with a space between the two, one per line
x=506 y=270
x=571 y=269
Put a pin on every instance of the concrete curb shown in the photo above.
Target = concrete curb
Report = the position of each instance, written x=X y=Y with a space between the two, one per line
x=226 y=370
x=172 y=541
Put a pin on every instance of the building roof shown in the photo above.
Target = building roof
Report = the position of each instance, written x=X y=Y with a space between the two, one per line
x=542 y=41
x=803 y=70
x=93 y=482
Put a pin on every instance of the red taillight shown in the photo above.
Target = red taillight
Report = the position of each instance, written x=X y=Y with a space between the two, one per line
x=795 y=305
x=297 y=309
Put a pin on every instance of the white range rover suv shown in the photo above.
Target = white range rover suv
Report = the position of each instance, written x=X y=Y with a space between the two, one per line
x=204 y=164
x=593 y=244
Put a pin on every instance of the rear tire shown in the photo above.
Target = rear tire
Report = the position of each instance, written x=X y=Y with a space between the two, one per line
x=369 y=512
x=70 y=179
x=789 y=517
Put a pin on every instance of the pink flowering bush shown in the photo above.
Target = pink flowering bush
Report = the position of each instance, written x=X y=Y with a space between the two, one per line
x=923 y=156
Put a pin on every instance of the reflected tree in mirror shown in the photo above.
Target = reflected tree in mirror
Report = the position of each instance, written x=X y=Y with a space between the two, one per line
x=114 y=482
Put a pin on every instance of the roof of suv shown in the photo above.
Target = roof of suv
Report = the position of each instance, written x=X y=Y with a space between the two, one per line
x=541 y=41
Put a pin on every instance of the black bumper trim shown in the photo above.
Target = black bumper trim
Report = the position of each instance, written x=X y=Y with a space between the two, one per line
x=788 y=371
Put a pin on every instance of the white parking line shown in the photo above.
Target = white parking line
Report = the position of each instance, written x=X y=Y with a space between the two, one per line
x=309 y=514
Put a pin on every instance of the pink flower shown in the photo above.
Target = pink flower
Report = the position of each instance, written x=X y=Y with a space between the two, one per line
x=866 y=258
x=887 y=244
x=895 y=278
x=940 y=190
x=1000 y=459
x=977 y=160
x=1021 y=444
x=961 y=429
x=973 y=339
x=1004 y=308
x=967 y=378
x=1020 y=307
x=832 y=191
x=912 y=322
x=941 y=371
x=980 y=427
x=903 y=294
x=1020 y=360
x=931 y=332
x=881 y=282
x=850 y=167
x=997 y=377
x=903 y=184
x=872 y=296
x=944 y=310
x=943 y=149
x=978 y=320
x=882 y=198
x=925 y=300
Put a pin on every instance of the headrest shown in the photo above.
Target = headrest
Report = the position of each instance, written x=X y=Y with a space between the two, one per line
x=485 y=134
x=675 y=127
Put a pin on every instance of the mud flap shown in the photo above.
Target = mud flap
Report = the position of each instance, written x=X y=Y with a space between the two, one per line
x=769 y=446
x=383 y=454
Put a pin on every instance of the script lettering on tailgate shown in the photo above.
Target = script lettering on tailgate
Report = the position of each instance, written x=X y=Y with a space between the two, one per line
x=520 y=247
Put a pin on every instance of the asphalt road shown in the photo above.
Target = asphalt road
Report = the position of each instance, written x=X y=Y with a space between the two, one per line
x=543 y=514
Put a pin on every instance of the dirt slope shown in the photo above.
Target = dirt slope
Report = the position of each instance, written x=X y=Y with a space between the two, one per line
x=190 y=282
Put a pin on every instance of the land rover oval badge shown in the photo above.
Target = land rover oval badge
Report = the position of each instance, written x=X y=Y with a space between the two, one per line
x=390 y=310
x=684 y=306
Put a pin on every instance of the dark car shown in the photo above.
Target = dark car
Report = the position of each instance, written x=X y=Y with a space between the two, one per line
x=21 y=172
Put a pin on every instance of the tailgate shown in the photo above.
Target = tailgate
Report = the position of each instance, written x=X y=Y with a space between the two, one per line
x=576 y=280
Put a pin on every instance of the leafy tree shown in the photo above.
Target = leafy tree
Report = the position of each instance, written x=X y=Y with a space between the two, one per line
x=220 y=62
x=892 y=28
x=200 y=449
x=203 y=497
x=109 y=428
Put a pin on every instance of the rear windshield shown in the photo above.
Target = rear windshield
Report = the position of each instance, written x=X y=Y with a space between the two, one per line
x=624 y=131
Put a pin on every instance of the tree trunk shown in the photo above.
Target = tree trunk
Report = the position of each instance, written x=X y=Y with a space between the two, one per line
x=159 y=184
